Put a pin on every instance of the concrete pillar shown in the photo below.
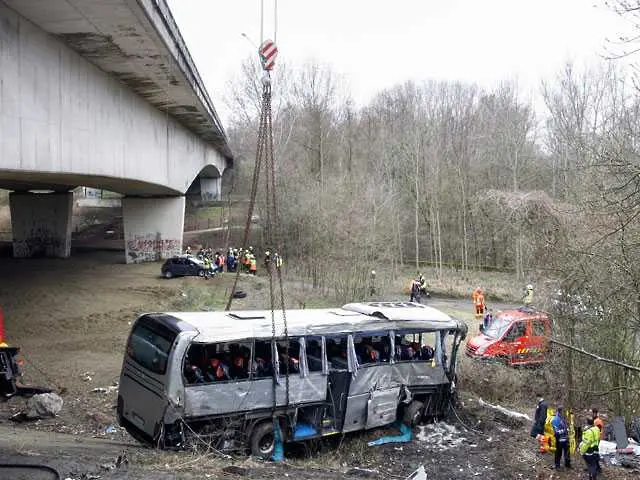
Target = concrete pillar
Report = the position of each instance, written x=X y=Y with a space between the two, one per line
x=153 y=228
x=210 y=189
x=41 y=224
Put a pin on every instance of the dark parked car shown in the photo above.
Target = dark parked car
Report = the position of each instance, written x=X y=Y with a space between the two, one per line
x=183 y=265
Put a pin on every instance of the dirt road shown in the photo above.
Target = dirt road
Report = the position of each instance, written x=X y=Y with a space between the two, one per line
x=71 y=318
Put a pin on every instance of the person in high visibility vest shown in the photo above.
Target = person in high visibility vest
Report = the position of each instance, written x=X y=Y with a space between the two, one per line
x=479 y=303
x=253 y=264
x=247 y=261
x=589 y=448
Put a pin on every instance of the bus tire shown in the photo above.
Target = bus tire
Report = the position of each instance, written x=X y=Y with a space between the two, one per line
x=413 y=413
x=262 y=441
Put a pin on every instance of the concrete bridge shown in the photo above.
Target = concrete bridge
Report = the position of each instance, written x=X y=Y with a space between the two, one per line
x=103 y=94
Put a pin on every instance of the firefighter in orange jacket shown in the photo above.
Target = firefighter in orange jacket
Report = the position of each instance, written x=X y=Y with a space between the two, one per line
x=478 y=301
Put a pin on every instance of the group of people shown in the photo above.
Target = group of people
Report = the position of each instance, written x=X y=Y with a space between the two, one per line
x=234 y=258
x=481 y=310
x=233 y=363
x=592 y=433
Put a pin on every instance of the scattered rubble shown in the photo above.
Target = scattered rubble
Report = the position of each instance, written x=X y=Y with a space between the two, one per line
x=440 y=436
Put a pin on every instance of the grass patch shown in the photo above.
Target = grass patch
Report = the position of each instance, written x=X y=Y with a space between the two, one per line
x=498 y=286
x=197 y=294
x=205 y=212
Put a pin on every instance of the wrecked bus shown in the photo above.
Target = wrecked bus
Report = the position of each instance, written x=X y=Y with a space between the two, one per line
x=189 y=377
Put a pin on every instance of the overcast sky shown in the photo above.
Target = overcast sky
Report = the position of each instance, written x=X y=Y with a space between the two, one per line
x=376 y=44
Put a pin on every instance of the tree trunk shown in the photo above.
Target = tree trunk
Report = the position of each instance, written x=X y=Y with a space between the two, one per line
x=417 y=211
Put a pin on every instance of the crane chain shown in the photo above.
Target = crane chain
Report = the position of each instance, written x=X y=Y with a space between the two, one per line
x=273 y=227
x=265 y=153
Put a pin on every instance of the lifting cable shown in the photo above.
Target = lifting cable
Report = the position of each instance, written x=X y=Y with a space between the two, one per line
x=273 y=239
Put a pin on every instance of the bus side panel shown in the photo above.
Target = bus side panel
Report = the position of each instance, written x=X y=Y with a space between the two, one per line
x=312 y=388
x=379 y=375
x=419 y=373
x=232 y=397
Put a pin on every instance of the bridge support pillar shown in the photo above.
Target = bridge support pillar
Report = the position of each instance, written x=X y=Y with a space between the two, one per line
x=41 y=224
x=210 y=189
x=153 y=228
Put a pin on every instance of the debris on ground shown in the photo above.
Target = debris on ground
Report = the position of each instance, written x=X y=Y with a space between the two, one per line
x=105 y=390
x=361 y=472
x=44 y=405
x=120 y=462
x=404 y=436
x=419 y=474
x=440 y=436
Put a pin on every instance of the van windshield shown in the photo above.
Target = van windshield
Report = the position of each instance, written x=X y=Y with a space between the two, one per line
x=498 y=326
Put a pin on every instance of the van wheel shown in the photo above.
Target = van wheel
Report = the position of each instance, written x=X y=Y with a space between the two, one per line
x=168 y=274
x=201 y=273
x=262 y=441
x=413 y=413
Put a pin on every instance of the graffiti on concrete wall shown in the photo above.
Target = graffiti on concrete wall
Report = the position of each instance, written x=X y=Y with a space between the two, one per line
x=41 y=242
x=151 y=248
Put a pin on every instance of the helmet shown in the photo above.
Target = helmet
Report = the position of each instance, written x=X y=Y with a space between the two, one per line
x=529 y=287
x=373 y=272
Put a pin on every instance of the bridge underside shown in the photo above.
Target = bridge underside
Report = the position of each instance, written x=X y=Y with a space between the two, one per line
x=63 y=182
x=153 y=215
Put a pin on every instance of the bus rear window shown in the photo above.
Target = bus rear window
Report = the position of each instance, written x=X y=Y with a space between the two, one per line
x=149 y=347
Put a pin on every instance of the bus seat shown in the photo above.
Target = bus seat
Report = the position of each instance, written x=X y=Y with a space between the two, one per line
x=339 y=363
x=315 y=363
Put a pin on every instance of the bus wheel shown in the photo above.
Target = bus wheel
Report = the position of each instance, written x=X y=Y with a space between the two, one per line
x=413 y=413
x=262 y=441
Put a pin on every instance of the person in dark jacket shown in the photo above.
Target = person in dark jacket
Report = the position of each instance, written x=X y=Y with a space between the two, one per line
x=540 y=418
x=561 y=432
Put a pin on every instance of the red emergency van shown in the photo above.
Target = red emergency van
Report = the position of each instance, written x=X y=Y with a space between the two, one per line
x=515 y=337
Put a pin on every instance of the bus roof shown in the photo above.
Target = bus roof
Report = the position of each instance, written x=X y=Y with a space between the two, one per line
x=353 y=317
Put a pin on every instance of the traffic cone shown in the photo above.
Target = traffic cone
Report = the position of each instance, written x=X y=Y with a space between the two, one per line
x=2 y=337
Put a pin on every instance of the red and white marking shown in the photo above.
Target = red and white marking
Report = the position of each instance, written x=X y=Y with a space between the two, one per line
x=268 y=53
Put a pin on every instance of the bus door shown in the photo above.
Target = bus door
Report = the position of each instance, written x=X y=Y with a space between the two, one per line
x=339 y=379
x=373 y=396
